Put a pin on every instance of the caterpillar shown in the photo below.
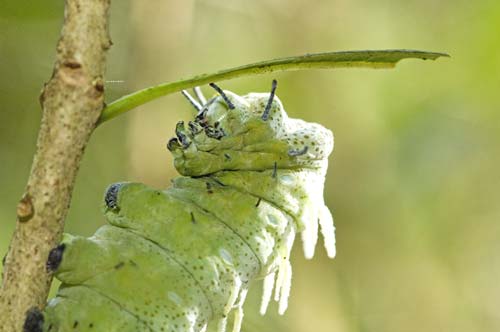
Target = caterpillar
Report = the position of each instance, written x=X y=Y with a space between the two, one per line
x=182 y=259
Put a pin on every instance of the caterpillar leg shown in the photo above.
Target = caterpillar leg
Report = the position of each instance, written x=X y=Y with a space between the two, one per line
x=78 y=258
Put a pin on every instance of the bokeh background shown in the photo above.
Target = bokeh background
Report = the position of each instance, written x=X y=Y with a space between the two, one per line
x=414 y=181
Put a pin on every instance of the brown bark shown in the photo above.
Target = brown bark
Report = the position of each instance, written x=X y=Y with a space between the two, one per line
x=72 y=101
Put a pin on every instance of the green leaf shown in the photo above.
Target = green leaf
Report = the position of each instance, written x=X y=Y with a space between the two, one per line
x=369 y=59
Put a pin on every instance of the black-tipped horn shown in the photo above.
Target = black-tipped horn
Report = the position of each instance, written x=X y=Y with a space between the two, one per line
x=223 y=95
x=265 y=115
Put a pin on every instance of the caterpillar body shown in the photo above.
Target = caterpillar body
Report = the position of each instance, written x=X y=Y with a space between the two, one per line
x=182 y=259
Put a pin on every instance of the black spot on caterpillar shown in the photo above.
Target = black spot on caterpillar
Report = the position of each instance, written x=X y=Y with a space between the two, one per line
x=181 y=259
x=111 y=196
x=34 y=320
x=119 y=265
x=209 y=188
x=295 y=153
x=258 y=202
x=55 y=258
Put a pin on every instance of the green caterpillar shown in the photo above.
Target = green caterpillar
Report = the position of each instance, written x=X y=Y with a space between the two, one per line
x=183 y=258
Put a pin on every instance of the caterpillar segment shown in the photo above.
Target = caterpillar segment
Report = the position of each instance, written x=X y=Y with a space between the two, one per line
x=182 y=259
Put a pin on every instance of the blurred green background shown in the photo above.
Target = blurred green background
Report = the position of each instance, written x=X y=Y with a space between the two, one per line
x=414 y=177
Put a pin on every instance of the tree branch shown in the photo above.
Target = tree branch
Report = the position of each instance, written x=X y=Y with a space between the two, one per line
x=72 y=101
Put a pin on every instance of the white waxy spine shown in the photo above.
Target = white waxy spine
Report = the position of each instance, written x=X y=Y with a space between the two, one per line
x=267 y=292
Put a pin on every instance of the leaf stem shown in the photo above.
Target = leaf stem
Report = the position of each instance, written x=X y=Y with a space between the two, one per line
x=368 y=59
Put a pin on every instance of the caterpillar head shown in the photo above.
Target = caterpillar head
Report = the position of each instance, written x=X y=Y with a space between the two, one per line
x=251 y=132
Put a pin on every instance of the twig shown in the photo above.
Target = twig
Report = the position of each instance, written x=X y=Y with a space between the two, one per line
x=72 y=101
x=329 y=60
